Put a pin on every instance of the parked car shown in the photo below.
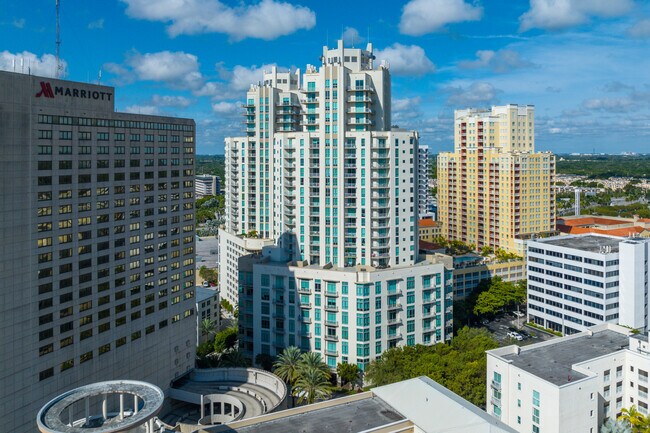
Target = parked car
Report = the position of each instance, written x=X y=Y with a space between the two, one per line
x=206 y=284
x=485 y=322
x=518 y=313
x=515 y=336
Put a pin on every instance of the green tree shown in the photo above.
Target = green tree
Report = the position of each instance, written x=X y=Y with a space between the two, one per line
x=286 y=367
x=349 y=373
x=618 y=426
x=312 y=385
x=225 y=340
x=265 y=361
x=486 y=251
x=209 y=274
x=208 y=327
x=226 y=305
x=499 y=294
x=638 y=422
x=459 y=366
x=313 y=360
x=234 y=358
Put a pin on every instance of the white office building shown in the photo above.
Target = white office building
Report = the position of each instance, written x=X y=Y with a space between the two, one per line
x=570 y=384
x=322 y=174
x=207 y=184
x=207 y=307
x=232 y=247
x=576 y=282
x=97 y=250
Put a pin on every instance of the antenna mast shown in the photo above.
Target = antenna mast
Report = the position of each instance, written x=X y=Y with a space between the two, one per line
x=59 y=66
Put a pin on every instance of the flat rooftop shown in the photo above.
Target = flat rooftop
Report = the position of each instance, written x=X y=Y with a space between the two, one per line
x=355 y=416
x=553 y=362
x=589 y=243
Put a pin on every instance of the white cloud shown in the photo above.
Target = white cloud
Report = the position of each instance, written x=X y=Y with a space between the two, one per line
x=420 y=17
x=143 y=109
x=170 y=101
x=351 y=36
x=404 y=104
x=18 y=23
x=267 y=19
x=234 y=82
x=406 y=59
x=498 y=61
x=227 y=108
x=561 y=14
x=27 y=62
x=640 y=29
x=618 y=105
x=178 y=69
x=474 y=95
x=98 y=24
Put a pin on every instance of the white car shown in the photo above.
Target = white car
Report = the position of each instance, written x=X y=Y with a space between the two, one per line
x=518 y=313
x=515 y=335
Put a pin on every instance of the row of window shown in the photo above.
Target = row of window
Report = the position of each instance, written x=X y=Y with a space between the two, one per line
x=87 y=356
x=112 y=123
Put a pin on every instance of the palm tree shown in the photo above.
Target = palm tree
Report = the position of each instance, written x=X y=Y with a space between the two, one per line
x=618 y=426
x=233 y=359
x=639 y=423
x=287 y=365
x=313 y=360
x=312 y=385
x=208 y=327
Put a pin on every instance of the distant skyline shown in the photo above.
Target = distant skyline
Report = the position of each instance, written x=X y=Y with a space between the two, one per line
x=582 y=64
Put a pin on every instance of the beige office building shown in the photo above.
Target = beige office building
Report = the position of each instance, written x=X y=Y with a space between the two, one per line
x=494 y=189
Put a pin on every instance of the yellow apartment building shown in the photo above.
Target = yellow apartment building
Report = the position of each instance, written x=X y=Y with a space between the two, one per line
x=494 y=189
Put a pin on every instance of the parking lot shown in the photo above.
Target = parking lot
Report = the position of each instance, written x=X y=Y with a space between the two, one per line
x=501 y=326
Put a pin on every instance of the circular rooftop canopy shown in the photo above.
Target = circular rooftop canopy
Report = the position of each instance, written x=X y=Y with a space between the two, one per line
x=70 y=412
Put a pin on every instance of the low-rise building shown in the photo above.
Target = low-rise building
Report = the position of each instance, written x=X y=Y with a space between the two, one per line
x=612 y=226
x=576 y=282
x=418 y=405
x=207 y=184
x=470 y=269
x=429 y=229
x=571 y=384
x=207 y=307
x=231 y=248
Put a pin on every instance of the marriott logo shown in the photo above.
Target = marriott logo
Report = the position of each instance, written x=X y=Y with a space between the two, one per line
x=48 y=92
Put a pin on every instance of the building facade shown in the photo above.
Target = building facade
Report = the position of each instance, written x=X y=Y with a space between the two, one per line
x=347 y=314
x=571 y=384
x=207 y=307
x=578 y=281
x=322 y=173
x=97 y=246
x=207 y=184
x=232 y=247
x=425 y=195
x=429 y=229
x=494 y=189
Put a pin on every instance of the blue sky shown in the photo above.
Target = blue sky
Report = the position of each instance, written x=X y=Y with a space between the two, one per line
x=584 y=64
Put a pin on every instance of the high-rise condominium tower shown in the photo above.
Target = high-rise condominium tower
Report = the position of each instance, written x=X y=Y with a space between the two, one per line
x=494 y=190
x=323 y=174
x=96 y=244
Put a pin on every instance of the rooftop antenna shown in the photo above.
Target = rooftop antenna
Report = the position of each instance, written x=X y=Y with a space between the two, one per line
x=99 y=77
x=59 y=66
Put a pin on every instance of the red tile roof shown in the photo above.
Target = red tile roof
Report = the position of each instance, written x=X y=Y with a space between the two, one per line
x=591 y=221
x=427 y=222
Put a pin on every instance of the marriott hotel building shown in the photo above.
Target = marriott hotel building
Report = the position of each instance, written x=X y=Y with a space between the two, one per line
x=96 y=244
